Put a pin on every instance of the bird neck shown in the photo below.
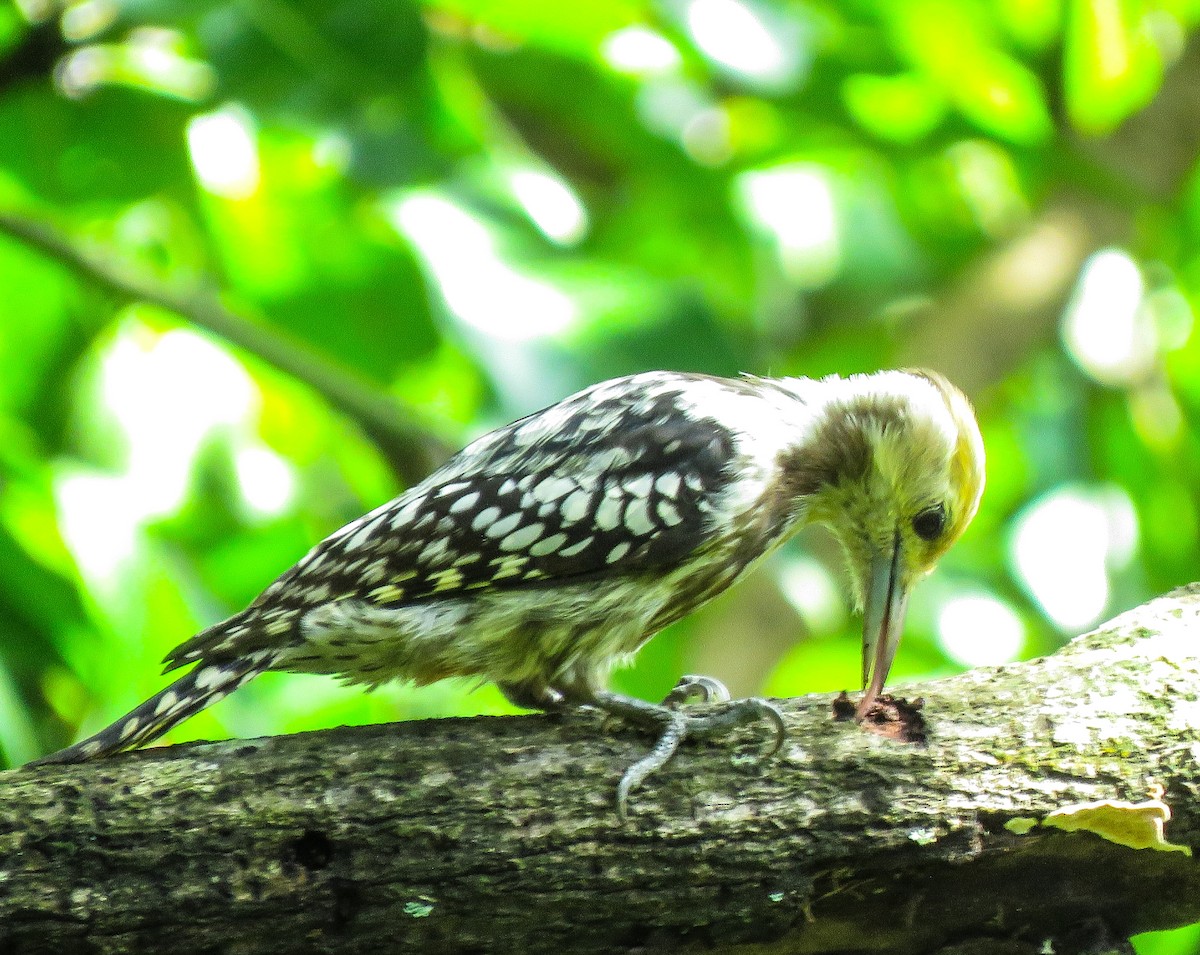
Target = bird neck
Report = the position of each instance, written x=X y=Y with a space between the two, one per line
x=839 y=446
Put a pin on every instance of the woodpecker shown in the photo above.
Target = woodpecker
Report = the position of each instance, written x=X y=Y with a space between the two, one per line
x=547 y=552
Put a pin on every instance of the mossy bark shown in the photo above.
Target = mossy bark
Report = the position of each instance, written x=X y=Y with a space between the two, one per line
x=499 y=834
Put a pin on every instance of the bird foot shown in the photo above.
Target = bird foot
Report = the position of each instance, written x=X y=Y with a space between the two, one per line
x=677 y=725
x=697 y=689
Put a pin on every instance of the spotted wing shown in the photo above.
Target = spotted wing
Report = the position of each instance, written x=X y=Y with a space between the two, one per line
x=572 y=502
x=594 y=485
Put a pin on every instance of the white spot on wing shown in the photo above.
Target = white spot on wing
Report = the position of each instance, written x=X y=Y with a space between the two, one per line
x=315 y=594
x=667 y=513
x=465 y=503
x=548 y=545
x=667 y=484
x=575 y=548
x=505 y=524
x=552 y=488
x=575 y=507
x=448 y=579
x=522 y=538
x=361 y=536
x=640 y=485
x=509 y=567
x=608 y=513
x=375 y=572
x=433 y=550
x=208 y=677
x=637 y=517
x=485 y=517
x=617 y=552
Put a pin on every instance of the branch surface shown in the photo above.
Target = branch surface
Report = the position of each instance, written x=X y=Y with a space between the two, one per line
x=499 y=835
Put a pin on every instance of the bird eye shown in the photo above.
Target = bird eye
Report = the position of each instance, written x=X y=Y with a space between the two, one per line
x=929 y=524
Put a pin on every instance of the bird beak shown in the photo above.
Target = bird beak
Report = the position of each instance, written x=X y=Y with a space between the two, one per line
x=883 y=619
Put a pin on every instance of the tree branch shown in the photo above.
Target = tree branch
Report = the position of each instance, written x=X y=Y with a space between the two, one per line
x=498 y=834
x=411 y=450
x=1010 y=300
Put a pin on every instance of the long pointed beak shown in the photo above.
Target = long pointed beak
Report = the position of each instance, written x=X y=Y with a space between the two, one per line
x=883 y=621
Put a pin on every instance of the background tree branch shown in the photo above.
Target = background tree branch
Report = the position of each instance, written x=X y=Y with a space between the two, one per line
x=983 y=324
x=498 y=834
x=411 y=450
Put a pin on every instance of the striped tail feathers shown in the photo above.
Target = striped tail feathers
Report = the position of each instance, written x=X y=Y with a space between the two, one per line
x=217 y=641
x=259 y=631
x=187 y=696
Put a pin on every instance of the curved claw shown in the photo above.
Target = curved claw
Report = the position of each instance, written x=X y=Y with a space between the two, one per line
x=695 y=688
x=677 y=725
x=675 y=733
x=773 y=715
x=740 y=712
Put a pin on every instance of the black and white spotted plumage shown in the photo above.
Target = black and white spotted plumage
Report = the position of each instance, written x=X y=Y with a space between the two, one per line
x=538 y=557
x=563 y=494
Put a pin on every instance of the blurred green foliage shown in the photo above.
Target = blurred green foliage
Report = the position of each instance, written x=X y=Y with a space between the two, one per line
x=479 y=206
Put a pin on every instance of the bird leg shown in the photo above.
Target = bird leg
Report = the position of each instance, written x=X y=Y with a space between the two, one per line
x=675 y=725
x=532 y=696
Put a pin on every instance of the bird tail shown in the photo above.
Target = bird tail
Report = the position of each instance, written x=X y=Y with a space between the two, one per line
x=187 y=696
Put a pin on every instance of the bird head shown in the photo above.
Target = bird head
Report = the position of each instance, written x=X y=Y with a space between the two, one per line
x=895 y=470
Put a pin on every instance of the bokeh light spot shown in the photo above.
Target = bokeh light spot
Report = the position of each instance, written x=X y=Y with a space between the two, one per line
x=224 y=152
x=482 y=290
x=639 y=50
x=1063 y=546
x=810 y=588
x=745 y=39
x=551 y=204
x=1105 y=328
x=166 y=393
x=267 y=481
x=795 y=205
x=979 y=630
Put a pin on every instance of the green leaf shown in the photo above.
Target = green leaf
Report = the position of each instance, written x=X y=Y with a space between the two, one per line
x=575 y=29
x=1112 y=67
x=953 y=43
x=902 y=108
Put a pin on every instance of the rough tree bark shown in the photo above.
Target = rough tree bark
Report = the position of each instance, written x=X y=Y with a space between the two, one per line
x=498 y=835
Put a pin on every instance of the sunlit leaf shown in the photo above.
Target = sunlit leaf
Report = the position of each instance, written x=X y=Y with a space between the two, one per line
x=952 y=43
x=1034 y=24
x=901 y=108
x=572 y=28
x=1112 y=66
